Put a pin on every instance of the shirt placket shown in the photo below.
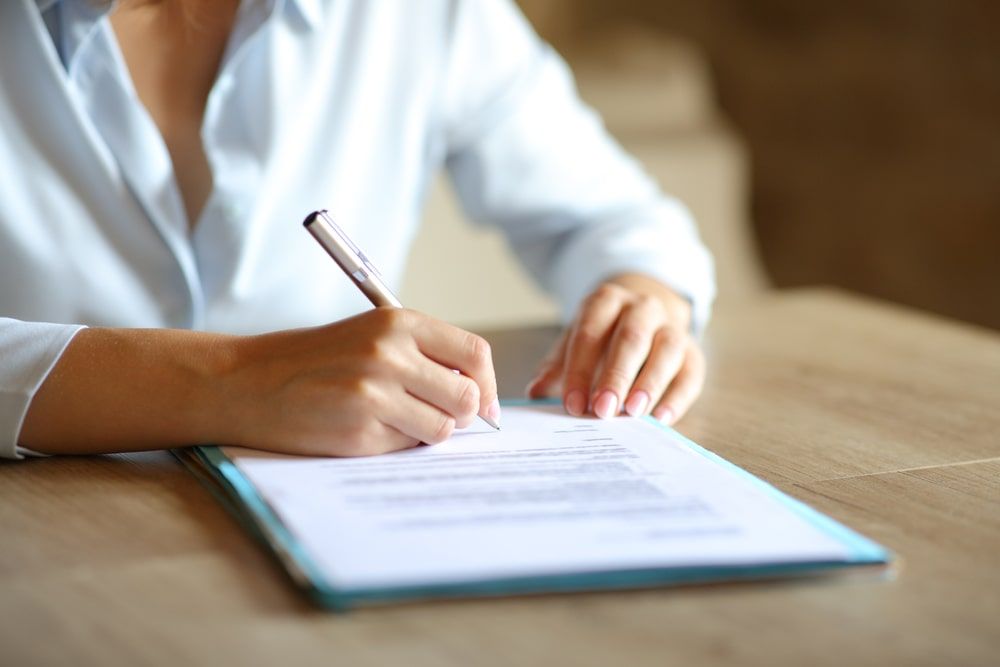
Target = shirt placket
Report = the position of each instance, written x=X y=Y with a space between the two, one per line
x=225 y=225
x=101 y=80
x=207 y=256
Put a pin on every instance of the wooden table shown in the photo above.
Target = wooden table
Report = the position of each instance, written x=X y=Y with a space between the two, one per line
x=885 y=419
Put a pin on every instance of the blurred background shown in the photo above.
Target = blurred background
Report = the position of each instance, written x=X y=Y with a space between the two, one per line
x=853 y=144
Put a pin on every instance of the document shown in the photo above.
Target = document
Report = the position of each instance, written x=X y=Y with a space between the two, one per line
x=549 y=494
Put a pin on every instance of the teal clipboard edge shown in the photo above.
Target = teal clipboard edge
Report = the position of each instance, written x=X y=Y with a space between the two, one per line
x=240 y=497
x=229 y=484
x=862 y=549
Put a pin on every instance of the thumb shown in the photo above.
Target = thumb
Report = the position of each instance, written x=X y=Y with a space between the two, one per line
x=543 y=382
x=550 y=371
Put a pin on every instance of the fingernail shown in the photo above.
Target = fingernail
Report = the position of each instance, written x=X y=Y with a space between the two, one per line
x=666 y=416
x=606 y=405
x=493 y=412
x=636 y=403
x=576 y=403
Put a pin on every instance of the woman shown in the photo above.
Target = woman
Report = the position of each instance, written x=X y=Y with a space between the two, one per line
x=158 y=157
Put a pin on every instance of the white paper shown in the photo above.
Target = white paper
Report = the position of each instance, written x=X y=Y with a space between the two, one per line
x=548 y=494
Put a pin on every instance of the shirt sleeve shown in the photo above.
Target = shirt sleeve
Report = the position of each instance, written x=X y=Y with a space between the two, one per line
x=525 y=154
x=28 y=351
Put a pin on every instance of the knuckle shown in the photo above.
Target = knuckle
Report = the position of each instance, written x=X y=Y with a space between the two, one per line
x=631 y=335
x=479 y=350
x=606 y=291
x=594 y=299
x=443 y=430
x=409 y=318
x=468 y=399
x=648 y=302
x=376 y=362
x=368 y=346
x=396 y=318
x=669 y=337
x=380 y=349
x=382 y=319
x=589 y=336
x=366 y=395
x=616 y=377
x=577 y=379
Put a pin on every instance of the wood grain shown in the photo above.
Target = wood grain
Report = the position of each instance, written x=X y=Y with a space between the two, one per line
x=882 y=418
x=816 y=384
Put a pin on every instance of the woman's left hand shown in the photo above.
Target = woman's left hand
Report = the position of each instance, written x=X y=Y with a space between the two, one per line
x=629 y=348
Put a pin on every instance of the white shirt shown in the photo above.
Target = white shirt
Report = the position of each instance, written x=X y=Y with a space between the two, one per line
x=349 y=105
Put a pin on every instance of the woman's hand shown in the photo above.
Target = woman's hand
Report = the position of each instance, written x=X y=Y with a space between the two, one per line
x=629 y=348
x=377 y=382
x=373 y=383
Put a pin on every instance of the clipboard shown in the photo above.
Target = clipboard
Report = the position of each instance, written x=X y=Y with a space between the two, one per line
x=242 y=499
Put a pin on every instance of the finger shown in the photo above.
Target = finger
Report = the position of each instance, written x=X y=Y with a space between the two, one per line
x=664 y=361
x=627 y=349
x=550 y=370
x=418 y=419
x=364 y=434
x=466 y=352
x=380 y=438
x=685 y=388
x=444 y=389
x=585 y=346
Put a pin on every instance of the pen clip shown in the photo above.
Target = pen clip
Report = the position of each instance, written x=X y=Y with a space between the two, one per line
x=350 y=258
x=367 y=268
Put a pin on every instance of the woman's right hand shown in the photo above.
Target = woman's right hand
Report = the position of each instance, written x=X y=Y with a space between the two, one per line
x=381 y=381
x=377 y=382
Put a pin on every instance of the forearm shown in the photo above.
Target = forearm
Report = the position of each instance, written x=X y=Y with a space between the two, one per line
x=380 y=381
x=129 y=390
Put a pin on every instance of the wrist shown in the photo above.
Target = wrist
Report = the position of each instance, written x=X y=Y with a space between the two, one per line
x=218 y=405
x=132 y=389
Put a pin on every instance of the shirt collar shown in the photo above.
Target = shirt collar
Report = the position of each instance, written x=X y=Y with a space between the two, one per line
x=311 y=11
x=77 y=24
x=71 y=24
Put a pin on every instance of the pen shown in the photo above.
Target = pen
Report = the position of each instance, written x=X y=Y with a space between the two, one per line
x=357 y=267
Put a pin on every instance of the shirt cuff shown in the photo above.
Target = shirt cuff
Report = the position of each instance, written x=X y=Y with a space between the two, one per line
x=661 y=243
x=29 y=350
